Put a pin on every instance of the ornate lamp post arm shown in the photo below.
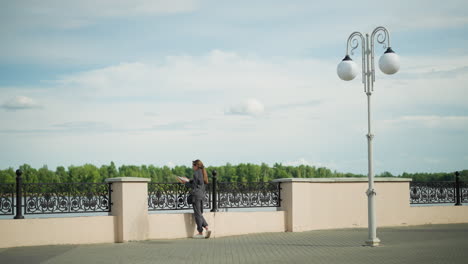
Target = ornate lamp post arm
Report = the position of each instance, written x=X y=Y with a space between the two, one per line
x=381 y=38
x=353 y=43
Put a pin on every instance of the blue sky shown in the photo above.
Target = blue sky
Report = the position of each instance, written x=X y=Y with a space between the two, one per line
x=165 y=82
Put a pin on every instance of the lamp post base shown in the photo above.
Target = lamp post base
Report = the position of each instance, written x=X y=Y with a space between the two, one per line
x=373 y=242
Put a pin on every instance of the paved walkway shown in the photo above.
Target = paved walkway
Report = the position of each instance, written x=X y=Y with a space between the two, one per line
x=419 y=244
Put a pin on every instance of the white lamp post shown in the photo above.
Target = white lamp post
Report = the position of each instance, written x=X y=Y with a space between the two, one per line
x=347 y=70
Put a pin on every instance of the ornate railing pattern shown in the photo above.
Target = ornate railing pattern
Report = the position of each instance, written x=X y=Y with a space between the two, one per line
x=432 y=192
x=464 y=192
x=172 y=196
x=249 y=194
x=54 y=198
x=7 y=191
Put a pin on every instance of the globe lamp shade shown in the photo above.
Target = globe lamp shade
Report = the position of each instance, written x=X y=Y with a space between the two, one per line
x=347 y=69
x=389 y=63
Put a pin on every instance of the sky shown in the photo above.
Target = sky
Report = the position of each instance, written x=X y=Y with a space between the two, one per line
x=155 y=82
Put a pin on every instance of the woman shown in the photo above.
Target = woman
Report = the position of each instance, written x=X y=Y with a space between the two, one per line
x=197 y=190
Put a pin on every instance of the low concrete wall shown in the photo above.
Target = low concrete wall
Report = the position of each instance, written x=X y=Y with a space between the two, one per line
x=313 y=204
x=53 y=231
x=437 y=215
x=163 y=226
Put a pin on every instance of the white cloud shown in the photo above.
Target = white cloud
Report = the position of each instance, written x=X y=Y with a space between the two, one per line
x=84 y=126
x=303 y=161
x=229 y=73
x=430 y=66
x=152 y=114
x=289 y=28
x=301 y=107
x=432 y=160
x=76 y=14
x=251 y=107
x=20 y=103
x=208 y=86
x=298 y=162
x=431 y=121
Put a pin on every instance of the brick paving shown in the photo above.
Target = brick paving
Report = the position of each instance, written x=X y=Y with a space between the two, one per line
x=415 y=244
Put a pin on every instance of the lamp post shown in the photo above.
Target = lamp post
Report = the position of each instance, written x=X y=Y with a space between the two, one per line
x=347 y=70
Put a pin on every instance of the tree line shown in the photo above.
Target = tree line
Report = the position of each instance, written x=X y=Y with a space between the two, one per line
x=244 y=172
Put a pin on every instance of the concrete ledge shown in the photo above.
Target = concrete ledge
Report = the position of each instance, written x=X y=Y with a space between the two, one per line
x=170 y=226
x=128 y=179
x=363 y=179
x=56 y=231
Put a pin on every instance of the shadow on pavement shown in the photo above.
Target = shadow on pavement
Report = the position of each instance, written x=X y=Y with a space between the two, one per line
x=32 y=254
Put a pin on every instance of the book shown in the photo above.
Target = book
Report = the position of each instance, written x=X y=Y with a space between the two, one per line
x=182 y=179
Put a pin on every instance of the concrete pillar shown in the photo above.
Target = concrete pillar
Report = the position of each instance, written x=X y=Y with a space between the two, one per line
x=130 y=206
x=295 y=201
x=287 y=202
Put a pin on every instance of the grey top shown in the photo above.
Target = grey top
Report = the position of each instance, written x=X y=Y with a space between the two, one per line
x=197 y=185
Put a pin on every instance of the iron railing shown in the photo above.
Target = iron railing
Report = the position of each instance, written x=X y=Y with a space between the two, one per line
x=7 y=191
x=248 y=195
x=432 y=192
x=464 y=192
x=439 y=192
x=53 y=198
x=173 y=196
x=56 y=198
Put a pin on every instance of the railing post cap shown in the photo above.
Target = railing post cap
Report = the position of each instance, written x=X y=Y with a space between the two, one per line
x=127 y=179
x=19 y=173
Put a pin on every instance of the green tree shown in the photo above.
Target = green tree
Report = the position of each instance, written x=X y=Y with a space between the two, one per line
x=45 y=175
x=254 y=172
x=62 y=174
x=7 y=176
x=112 y=171
x=265 y=173
x=29 y=174
x=90 y=174
x=167 y=175
x=385 y=174
x=155 y=174
x=229 y=173
x=242 y=172
x=181 y=171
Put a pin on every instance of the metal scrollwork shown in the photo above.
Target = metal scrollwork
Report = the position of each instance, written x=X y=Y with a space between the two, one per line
x=464 y=192
x=382 y=35
x=172 y=196
x=7 y=191
x=353 y=42
x=432 y=192
x=245 y=195
x=47 y=198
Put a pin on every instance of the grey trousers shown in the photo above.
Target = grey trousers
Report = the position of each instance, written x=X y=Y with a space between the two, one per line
x=198 y=214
